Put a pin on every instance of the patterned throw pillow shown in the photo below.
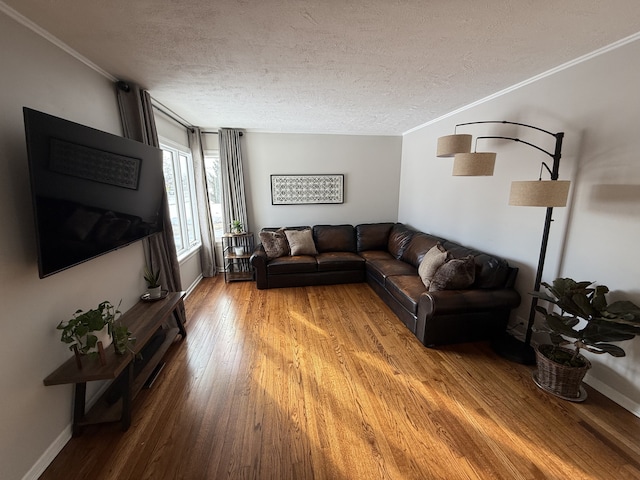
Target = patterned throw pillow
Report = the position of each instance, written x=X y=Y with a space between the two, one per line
x=431 y=262
x=455 y=274
x=275 y=243
x=301 y=242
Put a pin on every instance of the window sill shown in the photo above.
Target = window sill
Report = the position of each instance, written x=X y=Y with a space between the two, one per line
x=189 y=253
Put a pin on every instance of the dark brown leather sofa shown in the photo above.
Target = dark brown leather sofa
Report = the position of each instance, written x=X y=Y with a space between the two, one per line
x=387 y=257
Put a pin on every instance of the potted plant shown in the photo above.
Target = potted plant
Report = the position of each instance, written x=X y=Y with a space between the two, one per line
x=122 y=339
x=236 y=226
x=153 y=282
x=85 y=329
x=586 y=321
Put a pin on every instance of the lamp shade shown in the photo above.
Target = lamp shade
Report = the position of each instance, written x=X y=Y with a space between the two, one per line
x=540 y=193
x=475 y=164
x=449 y=145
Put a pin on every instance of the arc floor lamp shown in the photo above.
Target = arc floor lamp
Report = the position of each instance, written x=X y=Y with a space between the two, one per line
x=537 y=193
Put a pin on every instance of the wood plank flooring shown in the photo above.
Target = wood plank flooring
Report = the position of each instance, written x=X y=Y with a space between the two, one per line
x=326 y=383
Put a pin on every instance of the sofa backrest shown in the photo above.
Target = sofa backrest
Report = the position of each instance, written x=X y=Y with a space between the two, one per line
x=372 y=236
x=391 y=237
x=420 y=244
x=399 y=239
x=491 y=271
x=334 y=238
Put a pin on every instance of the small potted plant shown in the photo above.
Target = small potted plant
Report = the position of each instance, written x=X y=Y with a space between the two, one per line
x=122 y=339
x=85 y=330
x=585 y=321
x=152 y=278
x=236 y=226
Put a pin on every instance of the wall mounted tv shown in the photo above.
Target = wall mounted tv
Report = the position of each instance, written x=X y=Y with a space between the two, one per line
x=93 y=192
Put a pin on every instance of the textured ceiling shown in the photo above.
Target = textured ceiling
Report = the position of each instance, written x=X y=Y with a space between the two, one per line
x=355 y=67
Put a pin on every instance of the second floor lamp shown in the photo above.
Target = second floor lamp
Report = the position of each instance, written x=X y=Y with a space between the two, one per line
x=536 y=193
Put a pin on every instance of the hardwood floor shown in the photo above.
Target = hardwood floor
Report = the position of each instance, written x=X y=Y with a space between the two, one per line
x=326 y=383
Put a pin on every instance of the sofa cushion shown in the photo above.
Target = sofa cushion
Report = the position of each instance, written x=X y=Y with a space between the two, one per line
x=295 y=264
x=431 y=262
x=334 y=238
x=372 y=255
x=381 y=269
x=455 y=274
x=301 y=242
x=399 y=238
x=406 y=289
x=336 y=261
x=372 y=236
x=419 y=245
x=275 y=243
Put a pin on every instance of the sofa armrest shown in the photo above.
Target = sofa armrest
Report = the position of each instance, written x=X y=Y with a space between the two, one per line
x=454 y=316
x=259 y=261
x=447 y=302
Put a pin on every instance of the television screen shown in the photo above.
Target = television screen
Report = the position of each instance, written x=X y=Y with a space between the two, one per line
x=93 y=192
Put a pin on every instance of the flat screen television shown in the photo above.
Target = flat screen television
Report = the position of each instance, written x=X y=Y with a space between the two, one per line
x=93 y=192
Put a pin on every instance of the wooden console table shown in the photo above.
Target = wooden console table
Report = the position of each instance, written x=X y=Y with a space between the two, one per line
x=144 y=320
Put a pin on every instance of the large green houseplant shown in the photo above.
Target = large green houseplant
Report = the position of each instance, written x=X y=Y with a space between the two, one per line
x=585 y=321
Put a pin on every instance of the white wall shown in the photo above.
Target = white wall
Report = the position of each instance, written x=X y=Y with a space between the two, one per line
x=595 y=103
x=35 y=418
x=370 y=164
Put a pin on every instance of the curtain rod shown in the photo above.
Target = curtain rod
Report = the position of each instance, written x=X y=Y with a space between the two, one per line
x=175 y=118
x=172 y=117
x=216 y=133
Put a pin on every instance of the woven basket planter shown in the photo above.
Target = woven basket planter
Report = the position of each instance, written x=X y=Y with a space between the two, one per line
x=560 y=380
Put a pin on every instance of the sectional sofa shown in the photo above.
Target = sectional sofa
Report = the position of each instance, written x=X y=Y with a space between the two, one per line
x=443 y=292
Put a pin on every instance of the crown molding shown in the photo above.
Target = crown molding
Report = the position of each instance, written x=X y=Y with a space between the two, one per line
x=548 y=73
x=21 y=19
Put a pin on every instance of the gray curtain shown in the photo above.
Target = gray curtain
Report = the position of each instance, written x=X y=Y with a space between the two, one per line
x=234 y=204
x=207 y=251
x=138 y=123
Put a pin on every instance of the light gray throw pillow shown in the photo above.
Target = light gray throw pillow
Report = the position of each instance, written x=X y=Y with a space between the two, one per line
x=301 y=242
x=431 y=262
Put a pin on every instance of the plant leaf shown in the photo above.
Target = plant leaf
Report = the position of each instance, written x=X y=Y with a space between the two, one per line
x=557 y=324
x=612 y=350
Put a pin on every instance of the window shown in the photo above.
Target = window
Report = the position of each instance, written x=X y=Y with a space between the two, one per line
x=181 y=195
x=214 y=186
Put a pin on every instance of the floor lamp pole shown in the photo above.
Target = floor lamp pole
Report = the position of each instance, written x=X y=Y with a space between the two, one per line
x=508 y=346
x=536 y=285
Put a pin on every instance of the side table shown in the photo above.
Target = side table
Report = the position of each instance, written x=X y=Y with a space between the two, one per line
x=145 y=320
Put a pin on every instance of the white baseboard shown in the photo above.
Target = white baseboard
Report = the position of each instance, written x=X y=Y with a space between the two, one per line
x=50 y=453
x=194 y=285
x=614 y=395
x=58 y=444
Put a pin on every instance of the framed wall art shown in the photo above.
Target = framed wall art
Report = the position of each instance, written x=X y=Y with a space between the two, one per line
x=307 y=189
